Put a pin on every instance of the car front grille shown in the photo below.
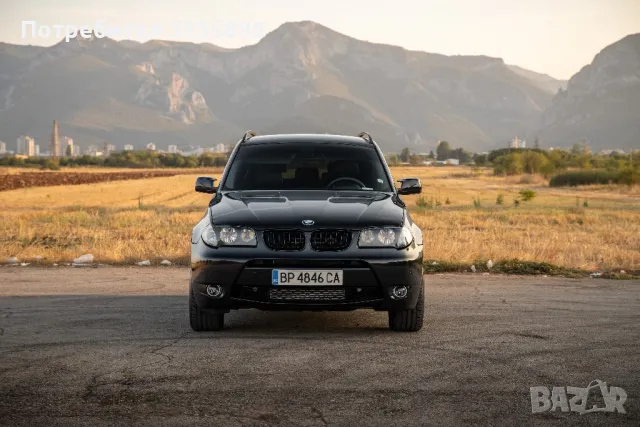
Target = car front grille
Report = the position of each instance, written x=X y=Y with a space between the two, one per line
x=307 y=294
x=284 y=240
x=330 y=240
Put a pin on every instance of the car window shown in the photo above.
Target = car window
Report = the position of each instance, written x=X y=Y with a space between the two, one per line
x=306 y=166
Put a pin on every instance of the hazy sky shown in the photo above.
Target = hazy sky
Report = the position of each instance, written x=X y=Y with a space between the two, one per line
x=557 y=37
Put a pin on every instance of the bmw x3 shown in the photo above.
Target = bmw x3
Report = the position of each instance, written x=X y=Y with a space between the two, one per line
x=306 y=223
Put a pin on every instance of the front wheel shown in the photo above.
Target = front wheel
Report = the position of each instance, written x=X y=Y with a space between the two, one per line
x=203 y=321
x=408 y=320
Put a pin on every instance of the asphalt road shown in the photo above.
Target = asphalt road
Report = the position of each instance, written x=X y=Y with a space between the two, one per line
x=112 y=346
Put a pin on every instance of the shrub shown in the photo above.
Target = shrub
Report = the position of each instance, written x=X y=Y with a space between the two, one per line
x=586 y=177
x=527 y=195
x=629 y=176
x=500 y=199
x=422 y=202
x=477 y=203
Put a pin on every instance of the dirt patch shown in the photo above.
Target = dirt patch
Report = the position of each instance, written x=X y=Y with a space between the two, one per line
x=48 y=179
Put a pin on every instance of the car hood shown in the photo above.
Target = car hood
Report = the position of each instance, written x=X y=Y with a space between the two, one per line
x=290 y=208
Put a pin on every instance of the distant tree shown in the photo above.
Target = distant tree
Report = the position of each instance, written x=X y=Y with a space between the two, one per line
x=432 y=156
x=548 y=169
x=510 y=164
x=576 y=149
x=536 y=144
x=461 y=154
x=405 y=155
x=443 y=150
x=69 y=151
x=480 y=159
x=533 y=162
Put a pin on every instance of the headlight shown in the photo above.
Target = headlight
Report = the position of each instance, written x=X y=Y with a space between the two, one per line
x=387 y=237
x=229 y=236
x=209 y=236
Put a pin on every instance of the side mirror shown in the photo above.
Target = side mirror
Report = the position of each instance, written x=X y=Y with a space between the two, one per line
x=204 y=184
x=410 y=186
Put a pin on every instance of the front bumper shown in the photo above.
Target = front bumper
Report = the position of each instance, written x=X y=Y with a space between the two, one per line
x=244 y=274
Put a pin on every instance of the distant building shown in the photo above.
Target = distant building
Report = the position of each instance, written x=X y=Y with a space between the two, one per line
x=76 y=150
x=220 y=148
x=94 y=150
x=128 y=147
x=173 y=149
x=31 y=147
x=36 y=150
x=452 y=162
x=151 y=146
x=25 y=145
x=3 y=147
x=110 y=148
x=517 y=143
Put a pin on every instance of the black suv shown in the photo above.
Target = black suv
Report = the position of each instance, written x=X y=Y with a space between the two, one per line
x=306 y=222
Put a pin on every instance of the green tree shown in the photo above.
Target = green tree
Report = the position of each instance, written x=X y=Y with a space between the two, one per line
x=404 y=155
x=69 y=151
x=461 y=154
x=533 y=162
x=548 y=169
x=480 y=159
x=443 y=150
x=510 y=164
x=432 y=156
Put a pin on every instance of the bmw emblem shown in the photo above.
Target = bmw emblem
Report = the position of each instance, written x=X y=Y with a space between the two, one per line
x=308 y=222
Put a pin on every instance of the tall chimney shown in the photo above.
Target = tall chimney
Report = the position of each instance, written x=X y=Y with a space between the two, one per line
x=54 y=140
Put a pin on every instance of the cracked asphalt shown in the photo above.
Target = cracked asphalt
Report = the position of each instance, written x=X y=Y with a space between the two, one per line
x=112 y=346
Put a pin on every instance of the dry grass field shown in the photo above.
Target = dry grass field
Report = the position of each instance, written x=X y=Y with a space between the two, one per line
x=129 y=221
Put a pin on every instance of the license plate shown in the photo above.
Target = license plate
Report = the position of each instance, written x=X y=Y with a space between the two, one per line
x=306 y=277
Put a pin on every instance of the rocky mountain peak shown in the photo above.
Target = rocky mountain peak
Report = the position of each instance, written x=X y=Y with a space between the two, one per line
x=601 y=102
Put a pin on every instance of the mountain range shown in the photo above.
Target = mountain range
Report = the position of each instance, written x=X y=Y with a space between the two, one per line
x=304 y=77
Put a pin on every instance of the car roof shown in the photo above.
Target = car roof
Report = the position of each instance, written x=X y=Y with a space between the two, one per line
x=306 y=137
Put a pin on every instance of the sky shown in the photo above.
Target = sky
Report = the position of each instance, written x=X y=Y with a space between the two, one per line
x=556 y=37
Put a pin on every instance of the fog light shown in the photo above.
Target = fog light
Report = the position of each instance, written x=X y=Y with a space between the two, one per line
x=399 y=292
x=215 y=291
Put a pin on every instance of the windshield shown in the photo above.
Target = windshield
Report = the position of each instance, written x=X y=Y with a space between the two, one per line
x=307 y=166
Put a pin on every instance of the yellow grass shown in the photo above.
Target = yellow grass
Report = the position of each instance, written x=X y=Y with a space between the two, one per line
x=129 y=221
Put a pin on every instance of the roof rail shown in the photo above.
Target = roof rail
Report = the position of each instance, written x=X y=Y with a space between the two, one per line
x=248 y=135
x=365 y=136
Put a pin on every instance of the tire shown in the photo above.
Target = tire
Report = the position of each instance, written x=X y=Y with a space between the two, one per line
x=202 y=321
x=408 y=320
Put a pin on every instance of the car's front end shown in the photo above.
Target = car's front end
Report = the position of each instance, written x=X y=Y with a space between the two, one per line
x=336 y=273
